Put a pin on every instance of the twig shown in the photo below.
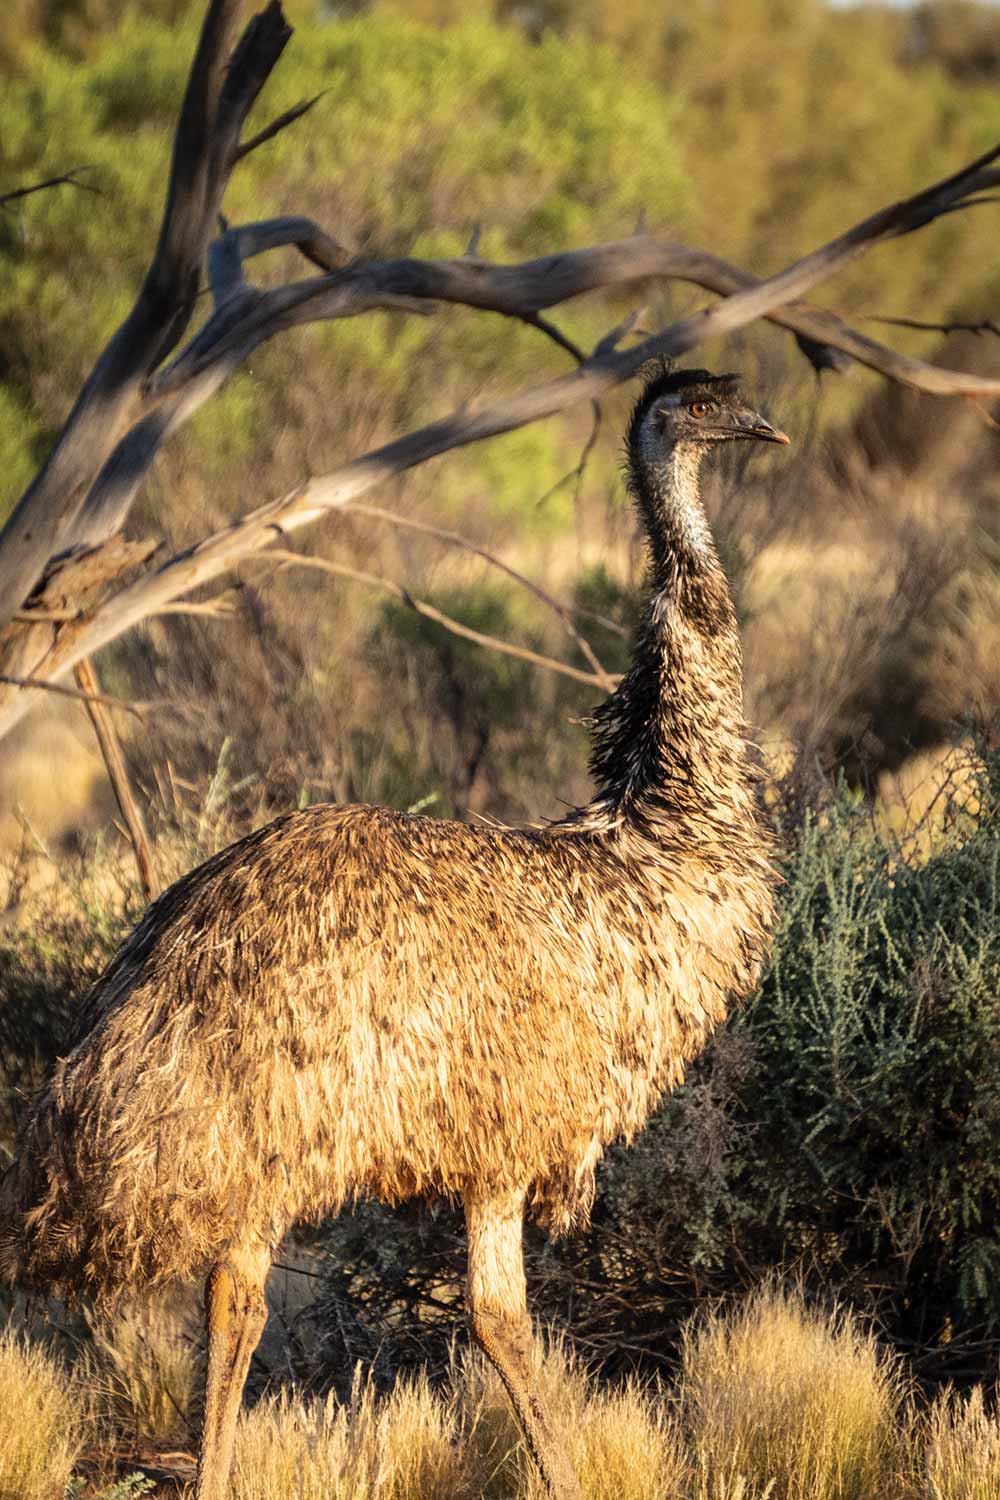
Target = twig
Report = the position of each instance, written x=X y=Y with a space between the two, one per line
x=276 y=126
x=455 y=539
x=981 y=412
x=138 y=709
x=535 y=320
x=64 y=179
x=987 y=325
x=421 y=607
x=45 y=616
x=114 y=761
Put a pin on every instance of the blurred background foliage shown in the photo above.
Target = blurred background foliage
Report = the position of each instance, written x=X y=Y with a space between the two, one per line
x=865 y=566
x=866 y=563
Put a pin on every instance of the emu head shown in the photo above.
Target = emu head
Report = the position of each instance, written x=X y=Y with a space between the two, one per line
x=693 y=407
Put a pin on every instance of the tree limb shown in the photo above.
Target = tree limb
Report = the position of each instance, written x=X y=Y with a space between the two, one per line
x=521 y=291
x=219 y=93
x=430 y=612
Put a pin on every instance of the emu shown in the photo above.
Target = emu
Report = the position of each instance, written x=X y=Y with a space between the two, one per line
x=357 y=1001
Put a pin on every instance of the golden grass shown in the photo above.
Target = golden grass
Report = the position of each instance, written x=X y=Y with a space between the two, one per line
x=774 y=1401
x=624 y=1443
x=403 y=1448
x=786 y=1397
x=42 y=1423
x=141 y=1371
x=962 y=1449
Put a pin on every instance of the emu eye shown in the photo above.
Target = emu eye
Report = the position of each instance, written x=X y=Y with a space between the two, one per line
x=701 y=408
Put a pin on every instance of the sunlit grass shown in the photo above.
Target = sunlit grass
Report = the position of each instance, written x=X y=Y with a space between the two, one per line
x=774 y=1400
x=623 y=1442
x=403 y=1448
x=42 y=1422
x=962 y=1448
x=791 y=1398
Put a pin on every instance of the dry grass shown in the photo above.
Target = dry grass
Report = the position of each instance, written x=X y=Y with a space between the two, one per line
x=774 y=1401
x=962 y=1449
x=404 y=1448
x=141 y=1370
x=41 y=1430
x=790 y=1398
x=416 y=1445
x=625 y=1444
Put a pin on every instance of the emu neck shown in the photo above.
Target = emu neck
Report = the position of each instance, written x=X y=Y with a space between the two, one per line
x=669 y=756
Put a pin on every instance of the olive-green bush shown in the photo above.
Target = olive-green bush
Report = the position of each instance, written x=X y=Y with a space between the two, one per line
x=843 y=1125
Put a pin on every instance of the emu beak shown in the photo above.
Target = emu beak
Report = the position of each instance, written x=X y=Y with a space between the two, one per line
x=750 y=424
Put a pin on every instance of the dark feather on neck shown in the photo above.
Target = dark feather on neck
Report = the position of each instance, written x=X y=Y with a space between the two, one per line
x=668 y=745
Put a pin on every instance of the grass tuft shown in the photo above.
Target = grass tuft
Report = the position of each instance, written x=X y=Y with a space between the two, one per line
x=788 y=1397
x=402 y=1448
x=293 y=1449
x=42 y=1429
x=623 y=1443
x=962 y=1453
x=141 y=1371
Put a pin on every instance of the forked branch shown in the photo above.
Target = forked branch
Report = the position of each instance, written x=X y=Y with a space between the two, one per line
x=144 y=386
x=223 y=84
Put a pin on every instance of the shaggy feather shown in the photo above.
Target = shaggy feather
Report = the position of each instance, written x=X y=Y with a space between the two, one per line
x=355 y=1001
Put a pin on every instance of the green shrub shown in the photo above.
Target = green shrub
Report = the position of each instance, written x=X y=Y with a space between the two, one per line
x=843 y=1124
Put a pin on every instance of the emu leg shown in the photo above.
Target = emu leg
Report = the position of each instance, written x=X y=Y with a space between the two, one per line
x=235 y=1313
x=499 y=1323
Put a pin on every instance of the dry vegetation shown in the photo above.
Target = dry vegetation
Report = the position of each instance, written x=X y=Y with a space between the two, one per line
x=774 y=1401
x=868 y=576
x=42 y=1432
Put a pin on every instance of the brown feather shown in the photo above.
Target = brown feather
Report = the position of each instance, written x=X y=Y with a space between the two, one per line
x=356 y=1001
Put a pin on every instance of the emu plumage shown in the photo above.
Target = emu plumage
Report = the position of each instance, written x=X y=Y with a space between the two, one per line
x=356 y=1001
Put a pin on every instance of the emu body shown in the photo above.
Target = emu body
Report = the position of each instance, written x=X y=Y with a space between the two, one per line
x=355 y=1001
x=390 y=1013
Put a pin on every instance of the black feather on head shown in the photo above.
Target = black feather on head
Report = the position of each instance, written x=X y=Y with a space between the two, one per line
x=698 y=385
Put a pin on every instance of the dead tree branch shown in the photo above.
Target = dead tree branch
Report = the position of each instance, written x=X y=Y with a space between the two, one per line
x=985 y=325
x=607 y=367
x=430 y=612
x=114 y=763
x=145 y=385
x=80 y=695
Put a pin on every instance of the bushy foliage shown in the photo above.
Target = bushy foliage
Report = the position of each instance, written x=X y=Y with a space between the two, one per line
x=557 y=148
x=842 y=1121
x=841 y=1124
